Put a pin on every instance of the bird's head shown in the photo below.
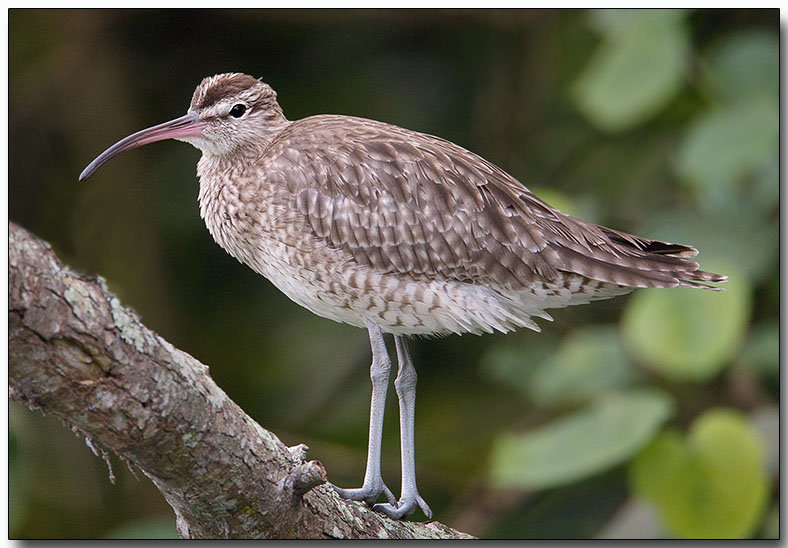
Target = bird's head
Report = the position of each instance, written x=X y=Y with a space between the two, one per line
x=228 y=112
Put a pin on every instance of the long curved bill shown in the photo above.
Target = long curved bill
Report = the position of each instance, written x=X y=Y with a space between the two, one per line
x=189 y=125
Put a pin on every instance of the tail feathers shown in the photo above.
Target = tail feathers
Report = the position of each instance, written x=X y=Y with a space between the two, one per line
x=650 y=260
x=647 y=270
x=655 y=263
x=699 y=276
x=650 y=246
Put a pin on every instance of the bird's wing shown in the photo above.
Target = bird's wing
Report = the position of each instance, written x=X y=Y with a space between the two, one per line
x=414 y=204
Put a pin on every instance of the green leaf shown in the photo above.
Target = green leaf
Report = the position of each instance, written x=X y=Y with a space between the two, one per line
x=610 y=431
x=615 y=22
x=637 y=69
x=729 y=143
x=589 y=362
x=711 y=485
x=689 y=334
x=743 y=65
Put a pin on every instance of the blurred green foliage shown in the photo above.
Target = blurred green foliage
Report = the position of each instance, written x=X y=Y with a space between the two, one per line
x=608 y=432
x=689 y=335
x=661 y=123
x=638 y=68
x=714 y=485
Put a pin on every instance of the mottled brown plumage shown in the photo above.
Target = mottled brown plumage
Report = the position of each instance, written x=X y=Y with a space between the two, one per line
x=413 y=204
x=375 y=225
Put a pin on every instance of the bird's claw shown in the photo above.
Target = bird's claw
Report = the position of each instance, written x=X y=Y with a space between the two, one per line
x=367 y=493
x=404 y=507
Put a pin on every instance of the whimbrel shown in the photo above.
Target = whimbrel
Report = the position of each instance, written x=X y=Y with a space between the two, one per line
x=400 y=232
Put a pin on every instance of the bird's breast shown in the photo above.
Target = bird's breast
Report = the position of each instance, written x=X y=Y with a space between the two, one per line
x=258 y=224
x=245 y=218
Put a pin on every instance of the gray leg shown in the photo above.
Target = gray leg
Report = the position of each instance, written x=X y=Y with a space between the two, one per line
x=405 y=384
x=373 y=484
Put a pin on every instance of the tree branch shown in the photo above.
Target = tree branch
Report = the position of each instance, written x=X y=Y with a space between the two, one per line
x=75 y=352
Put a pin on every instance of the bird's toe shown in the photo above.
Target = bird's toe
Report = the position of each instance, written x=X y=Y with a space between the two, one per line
x=394 y=511
x=367 y=493
x=424 y=507
x=404 y=508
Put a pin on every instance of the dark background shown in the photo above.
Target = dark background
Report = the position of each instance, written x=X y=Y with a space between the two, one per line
x=530 y=91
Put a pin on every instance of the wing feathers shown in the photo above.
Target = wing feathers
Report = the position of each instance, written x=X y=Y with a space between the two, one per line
x=416 y=205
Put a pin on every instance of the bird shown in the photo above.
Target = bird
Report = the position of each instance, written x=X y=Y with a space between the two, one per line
x=398 y=232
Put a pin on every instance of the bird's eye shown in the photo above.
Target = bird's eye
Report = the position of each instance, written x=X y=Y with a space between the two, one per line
x=238 y=110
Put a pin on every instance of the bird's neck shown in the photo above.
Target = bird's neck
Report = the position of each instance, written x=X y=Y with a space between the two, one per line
x=228 y=180
x=274 y=120
x=218 y=198
x=258 y=136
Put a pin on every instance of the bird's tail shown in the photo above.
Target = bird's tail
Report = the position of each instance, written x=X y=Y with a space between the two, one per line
x=668 y=258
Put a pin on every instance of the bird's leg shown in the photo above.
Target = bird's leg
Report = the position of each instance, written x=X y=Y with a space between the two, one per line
x=405 y=384
x=373 y=484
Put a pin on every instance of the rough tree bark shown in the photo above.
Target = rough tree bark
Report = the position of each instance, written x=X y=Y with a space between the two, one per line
x=75 y=352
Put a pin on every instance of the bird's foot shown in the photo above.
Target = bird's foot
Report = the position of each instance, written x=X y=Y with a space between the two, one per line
x=404 y=507
x=369 y=492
